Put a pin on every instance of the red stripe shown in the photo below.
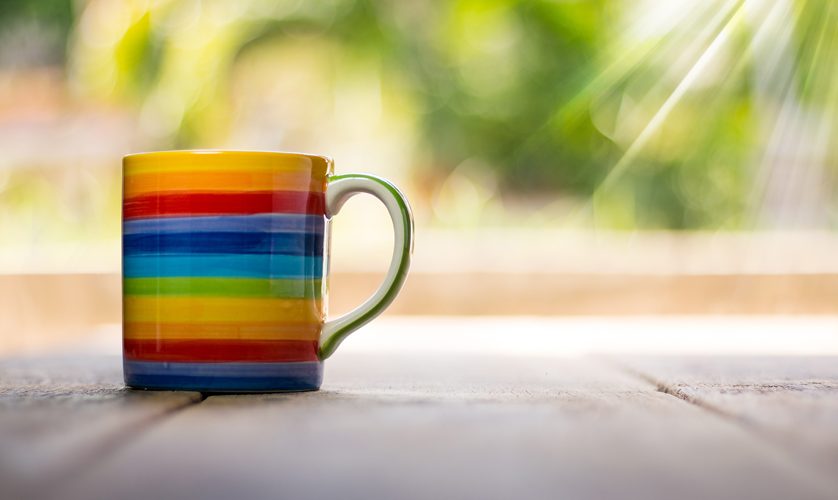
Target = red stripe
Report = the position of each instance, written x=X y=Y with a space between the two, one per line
x=197 y=351
x=256 y=202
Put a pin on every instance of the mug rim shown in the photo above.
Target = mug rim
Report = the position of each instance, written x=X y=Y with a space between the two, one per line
x=246 y=157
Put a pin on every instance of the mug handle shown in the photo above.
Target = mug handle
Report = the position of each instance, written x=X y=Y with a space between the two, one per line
x=339 y=189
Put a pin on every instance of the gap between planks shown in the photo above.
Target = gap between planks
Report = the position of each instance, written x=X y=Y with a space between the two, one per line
x=742 y=421
x=670 y=390
x=110 y=445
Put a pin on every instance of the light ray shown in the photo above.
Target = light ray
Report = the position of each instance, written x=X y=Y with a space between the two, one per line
x=789 y=189
x=669 y=104
x=621 y=67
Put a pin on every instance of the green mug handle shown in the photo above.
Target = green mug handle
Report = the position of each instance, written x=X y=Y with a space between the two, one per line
x=339 y=189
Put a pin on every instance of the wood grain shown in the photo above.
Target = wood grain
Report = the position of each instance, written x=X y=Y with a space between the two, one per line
x=442 y=426
x=61 y=416
x=789 y=401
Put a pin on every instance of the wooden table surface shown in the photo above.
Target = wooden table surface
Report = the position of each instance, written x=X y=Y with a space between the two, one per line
x=451 y=418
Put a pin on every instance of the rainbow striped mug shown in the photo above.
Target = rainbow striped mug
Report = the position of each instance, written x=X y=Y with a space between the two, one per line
x=225 y=268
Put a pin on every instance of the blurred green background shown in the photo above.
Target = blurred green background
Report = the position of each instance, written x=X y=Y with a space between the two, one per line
x=641 y=115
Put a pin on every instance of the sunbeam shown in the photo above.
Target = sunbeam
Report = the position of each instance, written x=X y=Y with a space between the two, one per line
x=674 y=98
x=791 y=184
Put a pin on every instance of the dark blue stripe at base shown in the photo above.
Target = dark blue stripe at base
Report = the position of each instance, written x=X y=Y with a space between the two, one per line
x=224 y=377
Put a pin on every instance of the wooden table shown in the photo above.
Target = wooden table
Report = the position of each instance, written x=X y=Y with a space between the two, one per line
x=441 y=414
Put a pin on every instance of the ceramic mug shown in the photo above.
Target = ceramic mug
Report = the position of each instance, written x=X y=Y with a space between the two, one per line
x=225 y=268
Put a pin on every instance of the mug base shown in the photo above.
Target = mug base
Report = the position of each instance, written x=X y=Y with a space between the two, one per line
x=224 y=377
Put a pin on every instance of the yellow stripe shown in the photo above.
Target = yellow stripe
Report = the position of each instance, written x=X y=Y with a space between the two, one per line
x=221 y=331
x=167 y=309
x=235 y=161
x=139 y=184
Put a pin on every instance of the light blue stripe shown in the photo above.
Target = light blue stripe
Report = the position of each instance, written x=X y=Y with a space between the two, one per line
x=265 y=223
x=226 y=266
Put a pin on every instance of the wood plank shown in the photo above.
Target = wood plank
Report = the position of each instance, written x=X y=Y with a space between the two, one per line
x=789 y=400
x=59 y=416
x=423 y=425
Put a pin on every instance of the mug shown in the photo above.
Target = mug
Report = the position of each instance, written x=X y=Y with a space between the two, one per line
x=225 y=268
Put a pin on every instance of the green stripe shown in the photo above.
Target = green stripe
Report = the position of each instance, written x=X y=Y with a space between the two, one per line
x=223 y=287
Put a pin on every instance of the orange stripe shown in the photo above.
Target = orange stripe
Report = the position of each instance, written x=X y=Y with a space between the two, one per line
x=206 y=331
x=211 y=181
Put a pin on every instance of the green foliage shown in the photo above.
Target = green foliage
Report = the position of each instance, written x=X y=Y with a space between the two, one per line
x=506 y=70
x=549 y=97
x=50 y=22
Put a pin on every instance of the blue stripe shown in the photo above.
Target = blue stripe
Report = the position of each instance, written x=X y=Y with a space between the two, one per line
x=224 y=377
x=223 y=266
x=221 y=243
x=264 y=223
